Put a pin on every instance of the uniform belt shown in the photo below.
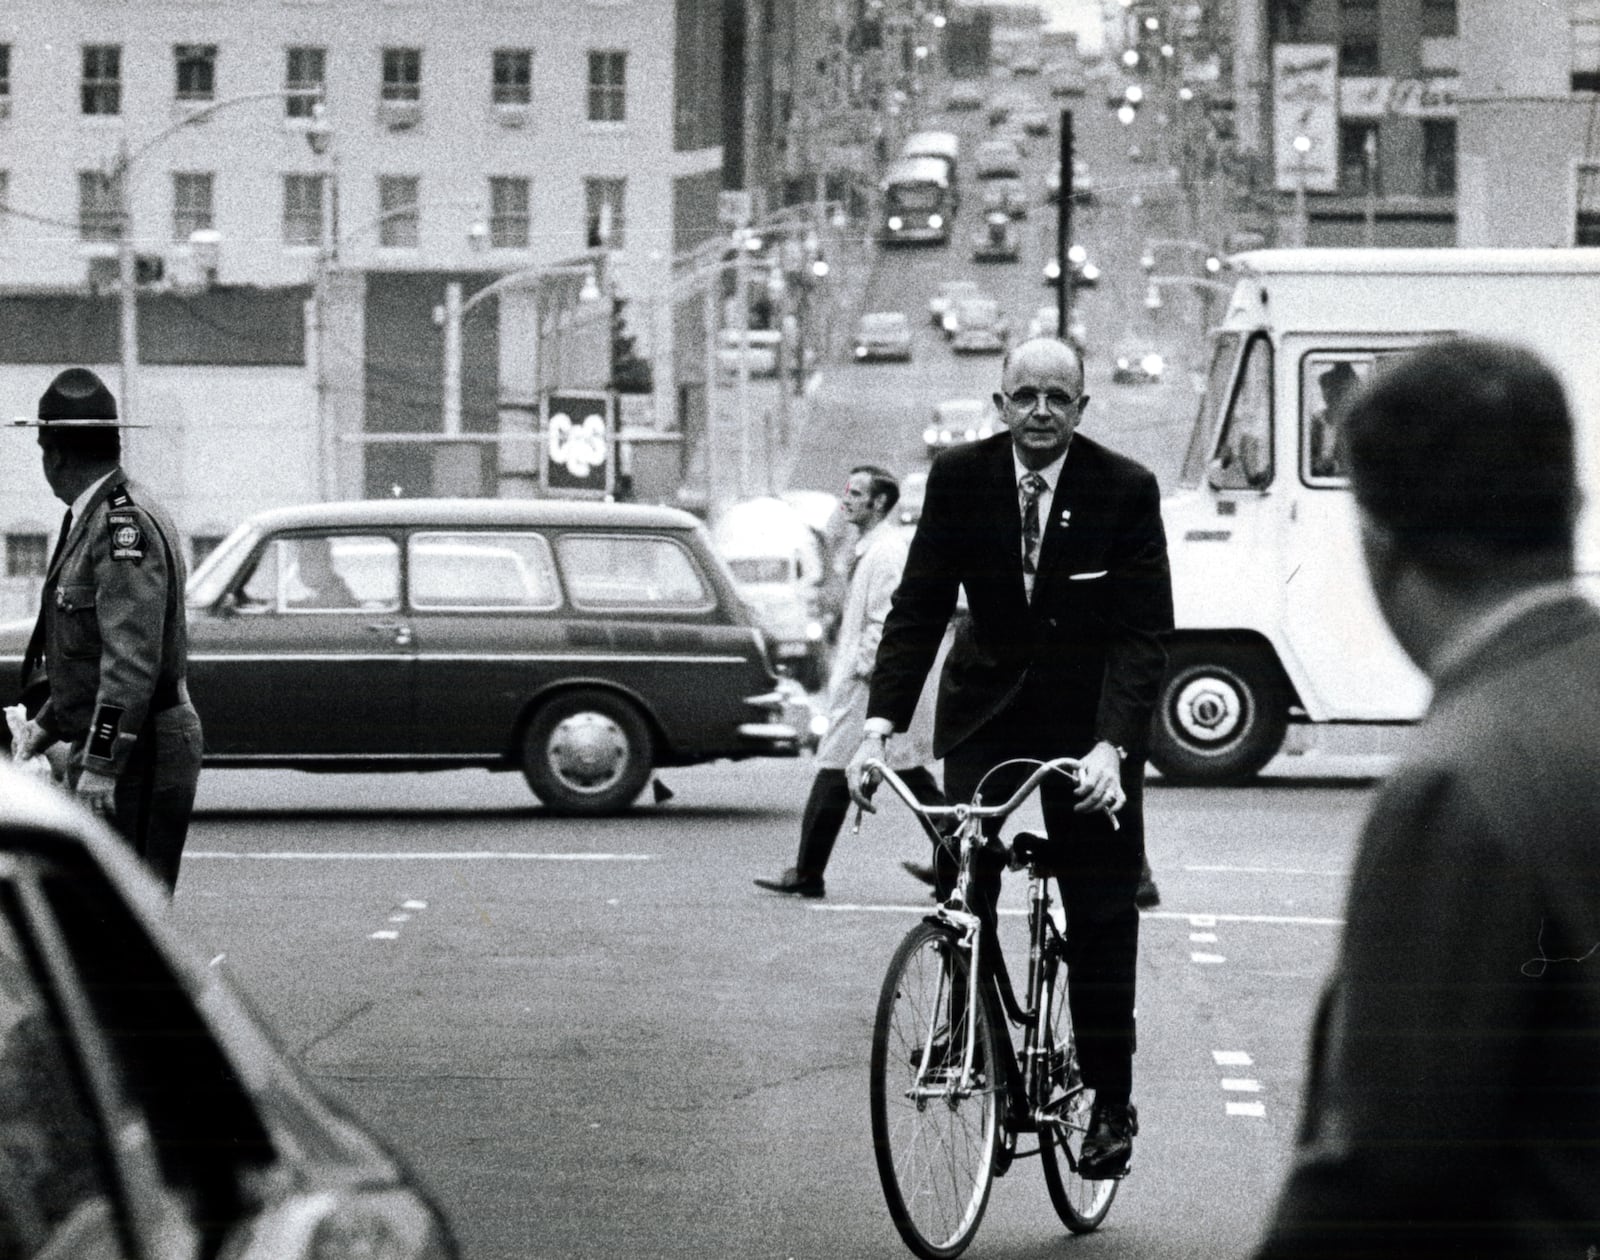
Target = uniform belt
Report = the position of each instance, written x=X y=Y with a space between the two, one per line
x=169 y=694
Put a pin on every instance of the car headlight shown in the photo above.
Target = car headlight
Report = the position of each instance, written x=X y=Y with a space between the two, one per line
x=930 y=436
x=972 y=435
x=949 y=322
x=1152 y=364
x=1090 y=271
x=814 y=631
x=946 y=438
x=936 y=221
x=1077 y=254
x=819 y=724
x=1122 y=363
x=861 y=352
x=1052 y=270
x=895 y=223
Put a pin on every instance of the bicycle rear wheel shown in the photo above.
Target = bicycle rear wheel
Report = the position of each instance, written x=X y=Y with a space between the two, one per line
x=934 y=1138
x=1080 y=1204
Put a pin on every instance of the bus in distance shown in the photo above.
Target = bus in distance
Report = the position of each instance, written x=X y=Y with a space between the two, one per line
x=918 y=202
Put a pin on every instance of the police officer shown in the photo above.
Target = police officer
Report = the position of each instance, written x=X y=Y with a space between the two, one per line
x=105 y=668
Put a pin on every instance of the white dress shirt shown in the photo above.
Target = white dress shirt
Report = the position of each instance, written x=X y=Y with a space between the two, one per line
x=1051 y=475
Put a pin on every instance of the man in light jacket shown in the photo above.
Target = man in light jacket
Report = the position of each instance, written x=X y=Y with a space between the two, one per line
x=880 y=558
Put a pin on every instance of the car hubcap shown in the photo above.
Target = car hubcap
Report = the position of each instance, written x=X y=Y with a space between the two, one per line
x=588 y=752
x=1209 y=710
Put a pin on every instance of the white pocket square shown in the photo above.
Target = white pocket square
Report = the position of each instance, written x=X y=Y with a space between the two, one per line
x=1084 y=577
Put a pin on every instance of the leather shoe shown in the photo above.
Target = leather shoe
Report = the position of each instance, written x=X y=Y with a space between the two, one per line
x=919 y=871
x=1108 y=1148
x=791 y=883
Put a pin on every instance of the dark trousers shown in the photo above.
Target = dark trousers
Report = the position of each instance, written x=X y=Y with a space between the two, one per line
x=827 y=807
x=1097 y=871
x=155 y=791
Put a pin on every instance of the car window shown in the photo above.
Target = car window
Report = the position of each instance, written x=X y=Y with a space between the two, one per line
x=1244 y=455
x=55 y=1184
x=612 y=571
x=761 y=570
x=325 y=573
x=475 y=570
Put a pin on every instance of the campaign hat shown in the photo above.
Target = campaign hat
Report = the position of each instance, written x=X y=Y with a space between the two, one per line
x=77 y=399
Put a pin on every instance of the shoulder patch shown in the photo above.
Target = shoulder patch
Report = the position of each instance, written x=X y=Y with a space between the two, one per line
x=119 y=497
x=127 y=536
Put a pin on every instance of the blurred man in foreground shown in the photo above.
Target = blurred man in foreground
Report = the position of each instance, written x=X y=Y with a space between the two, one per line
x=1453 y=1104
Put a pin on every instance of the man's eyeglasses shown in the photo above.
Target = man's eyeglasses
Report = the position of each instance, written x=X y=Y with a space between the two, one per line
x=1028 y=399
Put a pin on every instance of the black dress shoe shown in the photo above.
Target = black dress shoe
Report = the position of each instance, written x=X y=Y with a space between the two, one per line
x=1148 y=896
x=1109 y=1145
x=919 y=872
x=791 y=883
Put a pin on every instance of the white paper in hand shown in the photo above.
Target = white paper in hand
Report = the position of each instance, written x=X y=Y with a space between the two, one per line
x=38 y=764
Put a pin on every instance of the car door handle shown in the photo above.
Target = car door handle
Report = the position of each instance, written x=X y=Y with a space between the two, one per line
x=401 y=631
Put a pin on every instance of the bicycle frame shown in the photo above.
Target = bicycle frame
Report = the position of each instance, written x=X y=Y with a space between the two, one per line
x=1027 y=1087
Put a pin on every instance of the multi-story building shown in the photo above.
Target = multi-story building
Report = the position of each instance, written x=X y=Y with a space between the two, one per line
x=303 y=182
x=1530 y=123
x=1369 y=88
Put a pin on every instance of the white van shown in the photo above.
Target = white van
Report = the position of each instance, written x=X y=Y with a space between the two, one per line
x=1275 y=620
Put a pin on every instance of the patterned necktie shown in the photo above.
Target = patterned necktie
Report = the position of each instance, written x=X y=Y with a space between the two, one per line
x=1033 y=485
x=35 y=652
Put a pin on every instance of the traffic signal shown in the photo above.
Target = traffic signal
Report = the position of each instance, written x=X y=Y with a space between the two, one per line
x=630 y=373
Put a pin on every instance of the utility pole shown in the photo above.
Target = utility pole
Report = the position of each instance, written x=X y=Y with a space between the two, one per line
x=1369 y=162
x=712 y=368
x=741 y=324
x=1064 y=229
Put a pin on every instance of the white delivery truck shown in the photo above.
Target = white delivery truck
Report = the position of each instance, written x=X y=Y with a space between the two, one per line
x=1275 y=620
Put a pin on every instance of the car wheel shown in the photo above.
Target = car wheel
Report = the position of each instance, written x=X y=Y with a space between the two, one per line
x=587 y=752
x=1223 y=713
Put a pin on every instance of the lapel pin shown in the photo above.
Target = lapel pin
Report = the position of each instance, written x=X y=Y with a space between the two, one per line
x=1066 y=516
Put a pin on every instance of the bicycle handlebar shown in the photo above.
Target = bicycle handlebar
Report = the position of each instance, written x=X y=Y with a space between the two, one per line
x=1065 y=765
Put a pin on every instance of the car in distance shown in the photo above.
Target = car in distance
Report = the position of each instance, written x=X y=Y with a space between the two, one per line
x=1085 y=274
x=958 y=420
x=945 y=298
x=1136 y=365
x=883 y=335
x=998 y=159
x=980 y=328
x=1035 y=122
x=583 y=644
x=146 y=1111
x=756 y=347
x=963 y=98
x=1068 y=83
x=1008 y=196
x=1046 y=322
x=997 y=240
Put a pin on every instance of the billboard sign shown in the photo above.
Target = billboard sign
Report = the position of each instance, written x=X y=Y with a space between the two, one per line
x=1305 y=102
x=577 y=456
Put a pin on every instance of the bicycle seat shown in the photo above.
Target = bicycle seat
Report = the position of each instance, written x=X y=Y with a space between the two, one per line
x=1028 y=847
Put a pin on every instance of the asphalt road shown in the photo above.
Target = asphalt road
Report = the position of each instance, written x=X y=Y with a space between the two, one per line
x=597 y=1038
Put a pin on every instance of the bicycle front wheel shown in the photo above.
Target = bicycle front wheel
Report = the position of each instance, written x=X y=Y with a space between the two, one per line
x=934 y=1122
x=1080 y=1204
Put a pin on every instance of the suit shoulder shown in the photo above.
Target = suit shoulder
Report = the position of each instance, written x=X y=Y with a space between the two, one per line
x=970 y=458
x=1113 y=463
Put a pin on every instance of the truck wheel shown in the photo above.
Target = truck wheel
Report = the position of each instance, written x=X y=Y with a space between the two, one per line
x=587 y=752
x=1222 y=714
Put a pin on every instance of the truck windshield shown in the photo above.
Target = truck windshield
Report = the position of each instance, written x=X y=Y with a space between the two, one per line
x=1203 y=438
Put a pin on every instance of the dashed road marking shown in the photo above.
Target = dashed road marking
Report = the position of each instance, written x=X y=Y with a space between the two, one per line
x=1203 y=938
x=1211 y=920
x=1197 y=957
x=466 y=855
x=1247 y=1109
x=386 y=935
x=413 y=905
x=1200 y=920
x=1241 y=1085
x=1232 y=1058
x=400 y=918
x=1263 y=870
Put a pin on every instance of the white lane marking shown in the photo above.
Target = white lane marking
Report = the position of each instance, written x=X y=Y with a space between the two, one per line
x=1203 y=938
x=924 y=908
x=468 y=855
x=413 y=905
x=217 y=960
x=1232 y=1058
x=1264 y=870
x=1211 y=920
x=399 y=918
x=384 y=936
x=1241 y=1085
x=1247 y=1109
x=1205 y=958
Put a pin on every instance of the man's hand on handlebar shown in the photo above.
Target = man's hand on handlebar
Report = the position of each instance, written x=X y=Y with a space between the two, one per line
x=1100 y=781
x=861 y=780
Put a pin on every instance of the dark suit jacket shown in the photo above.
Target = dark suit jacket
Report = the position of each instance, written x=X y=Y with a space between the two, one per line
x=1453 y=1105
x=1090 y=643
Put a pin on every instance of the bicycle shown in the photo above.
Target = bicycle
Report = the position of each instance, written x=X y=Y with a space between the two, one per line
x=949 y=1094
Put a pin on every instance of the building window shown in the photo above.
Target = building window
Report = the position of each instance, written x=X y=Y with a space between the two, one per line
x=399 y=218
x=1586 y=231
x=608 y=72
x=1439 y=156
x=302 y=209
x=99 y=206
x=1359 y=158
x=603 y=210
x=508 y=213
x=1438 y=19
x=513 y=76
x=402 y=74
x=197 y=71
x=26 y=555
x=1358 y=37
x=305 y=70
x=101 y=91
x=1288 y=19
x=191 y=204
x=1586 y=45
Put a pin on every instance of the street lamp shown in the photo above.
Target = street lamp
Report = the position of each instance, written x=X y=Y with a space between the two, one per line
x=121 y=179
